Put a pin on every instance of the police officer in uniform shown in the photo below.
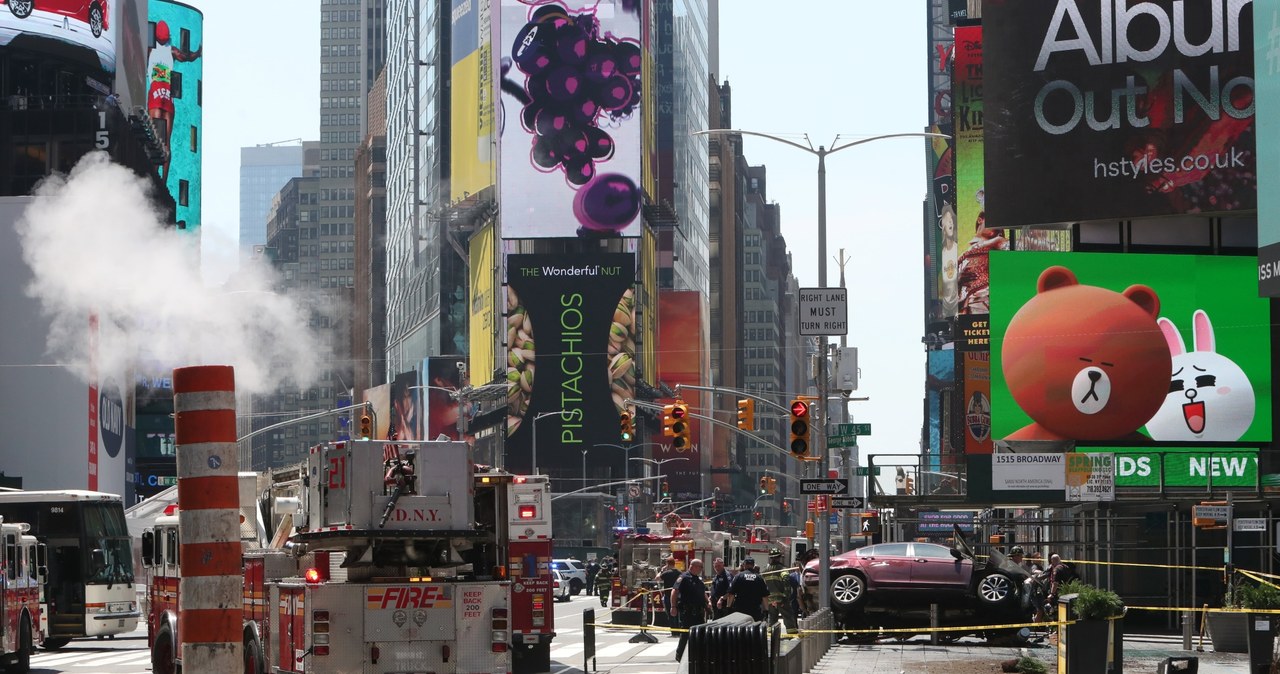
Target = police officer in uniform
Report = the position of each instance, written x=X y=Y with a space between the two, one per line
x=719 y=587
x=775 y=578
x=689 y=601
x=747 y=591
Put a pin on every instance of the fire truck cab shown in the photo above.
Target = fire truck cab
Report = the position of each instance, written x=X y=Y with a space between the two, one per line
x=22 y=573
x=383 y=557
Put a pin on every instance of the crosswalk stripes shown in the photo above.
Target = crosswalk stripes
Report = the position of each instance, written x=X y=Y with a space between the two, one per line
x=64 y=660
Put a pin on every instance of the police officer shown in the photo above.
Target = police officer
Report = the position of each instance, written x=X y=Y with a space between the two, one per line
x=719 y=587
x=747 y=591
x=775 y=578
x=689 y=601
x=604 y=581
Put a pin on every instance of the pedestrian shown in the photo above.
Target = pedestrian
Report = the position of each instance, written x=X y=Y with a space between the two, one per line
x=667 y=576
x=747 y=591
x=719 y=587
x=604 y=581
x=593 y=567
x=1060 y=574
x=775 y=578
x=689 y=600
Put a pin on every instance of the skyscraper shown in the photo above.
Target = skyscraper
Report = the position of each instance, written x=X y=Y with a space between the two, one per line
x=264 y=170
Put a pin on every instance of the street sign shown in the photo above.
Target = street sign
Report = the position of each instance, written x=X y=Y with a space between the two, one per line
x=861 y=429
x=820 y=486
x=837 y=441
x=1210 y=513
x=865 y=471
x=1250 y=524
x=846 y=502
x=824 y=311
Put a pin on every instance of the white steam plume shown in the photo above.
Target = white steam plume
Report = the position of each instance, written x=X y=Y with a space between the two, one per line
x=96 y=245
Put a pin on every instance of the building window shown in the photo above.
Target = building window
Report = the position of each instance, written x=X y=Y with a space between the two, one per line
x=184 y=188
x=175 y=84
x=195 y=139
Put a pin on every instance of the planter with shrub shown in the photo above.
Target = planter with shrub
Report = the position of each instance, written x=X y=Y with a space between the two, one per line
x=1098 y=616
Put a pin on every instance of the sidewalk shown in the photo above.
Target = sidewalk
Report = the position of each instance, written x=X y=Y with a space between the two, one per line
x=1142 y=655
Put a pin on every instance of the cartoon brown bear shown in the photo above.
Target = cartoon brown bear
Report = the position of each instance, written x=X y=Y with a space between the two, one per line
x=1085 y=363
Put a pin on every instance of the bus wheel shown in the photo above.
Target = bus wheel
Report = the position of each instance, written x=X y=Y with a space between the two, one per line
x=163 y=653
x=54 y=643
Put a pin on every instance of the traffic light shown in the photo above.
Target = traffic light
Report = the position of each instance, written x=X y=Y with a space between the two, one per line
x=799 y=428
x=786 y=506
x=764 y=486
x=627 y=427
x=747 y=414
x=666 y=489
x=910 y=486
x=667 y=421
x=680 y=426
x=869 y=524
x=771 y=485
x=366 y=427
x=759 y=515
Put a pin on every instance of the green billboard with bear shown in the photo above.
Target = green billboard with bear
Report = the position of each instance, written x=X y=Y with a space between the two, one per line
x=1129 y=348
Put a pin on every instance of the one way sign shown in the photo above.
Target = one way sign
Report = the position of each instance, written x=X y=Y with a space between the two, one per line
x=846 y=502
x=821 y=486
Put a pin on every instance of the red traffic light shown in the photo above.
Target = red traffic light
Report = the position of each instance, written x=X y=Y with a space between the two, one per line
x=678 y=411
x=799 y=408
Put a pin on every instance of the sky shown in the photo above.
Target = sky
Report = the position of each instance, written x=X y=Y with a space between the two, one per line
x=833 y=69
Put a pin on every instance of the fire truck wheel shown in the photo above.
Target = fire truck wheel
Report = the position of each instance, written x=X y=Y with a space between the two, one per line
x=252 y=656
x=54 y=643
x=21 y=663
x=162 y=653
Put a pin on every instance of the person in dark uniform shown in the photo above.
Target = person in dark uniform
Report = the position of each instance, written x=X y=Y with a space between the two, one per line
x=593 y=567
x=747 y=591
x=604 y=581
x=668 y=576
x=689 y=602
x=719 y=587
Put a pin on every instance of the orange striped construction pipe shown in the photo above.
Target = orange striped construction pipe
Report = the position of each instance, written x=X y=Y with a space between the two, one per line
x=211 y=592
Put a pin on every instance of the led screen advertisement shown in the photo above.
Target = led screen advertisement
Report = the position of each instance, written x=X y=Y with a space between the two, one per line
x=1266 y=59
x=569 y=320
x=967 y=113
x=1129 y=348
x=444 y=375
x=471 y=88
x=175 y=71
x=569 y=118
x=62 y=26
x=1105 y=109
x=406 y=408
x=681 y=360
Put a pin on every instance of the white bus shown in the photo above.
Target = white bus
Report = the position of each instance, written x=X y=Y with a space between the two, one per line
x=89 y=589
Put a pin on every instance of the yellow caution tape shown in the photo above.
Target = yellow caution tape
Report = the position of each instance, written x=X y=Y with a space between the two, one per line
x=1148 y=566
x=1205 y=609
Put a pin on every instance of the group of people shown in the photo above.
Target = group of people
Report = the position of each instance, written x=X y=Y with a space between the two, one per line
x=1046 y=582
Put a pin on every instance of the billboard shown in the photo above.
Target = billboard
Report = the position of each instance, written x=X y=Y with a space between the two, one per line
x=966 y=110
x=682 y=360
x=379 y=397
x=175 y=72
x=443 y=374
x=578 y=311
x=471 y=115
x=947 y=260
x=1266 y=60
x=1129 y=348
x=483 y=304
x=406 y=408
x=977 y=402
x=1183 y=468
x=78 y=29
x=1134 y=109
x=570 y=118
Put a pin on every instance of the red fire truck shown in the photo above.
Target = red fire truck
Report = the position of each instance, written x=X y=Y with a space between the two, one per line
x=22 y=570
x=384 y=557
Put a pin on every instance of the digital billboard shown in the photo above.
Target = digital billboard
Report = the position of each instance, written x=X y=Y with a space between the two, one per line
x=976 y=412
x=444 y=375
x=569 y=118
x=570 y=319
x=966 y=110
x=1266 y=60
x=406 y=408
x=681 y=360
x=1129 y=348
x=471 y=90
x=483 y=304
x=66 y=26
x=175 y=74
x=947 y=260
x=1117 y=110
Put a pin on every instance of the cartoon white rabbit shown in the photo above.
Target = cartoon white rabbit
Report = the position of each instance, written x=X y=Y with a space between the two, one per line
x=1210 y=397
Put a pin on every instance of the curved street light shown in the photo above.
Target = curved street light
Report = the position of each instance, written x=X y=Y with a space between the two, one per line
x=820 y=420
x=626 y=467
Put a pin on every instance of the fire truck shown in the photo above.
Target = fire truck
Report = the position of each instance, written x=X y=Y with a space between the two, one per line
x=22 y=572
x=379 y=557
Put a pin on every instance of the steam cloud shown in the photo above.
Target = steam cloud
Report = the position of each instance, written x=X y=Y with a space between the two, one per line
x=96 y=245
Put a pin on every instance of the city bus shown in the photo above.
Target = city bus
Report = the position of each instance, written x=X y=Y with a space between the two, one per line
x=89 y=589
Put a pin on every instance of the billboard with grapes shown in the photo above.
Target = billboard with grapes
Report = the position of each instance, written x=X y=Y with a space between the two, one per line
x=569 y=118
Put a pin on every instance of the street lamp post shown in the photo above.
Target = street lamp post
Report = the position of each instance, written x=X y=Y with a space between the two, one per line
x=534 y=467
x=626 y=468
x=658 y=465
x=820 y=420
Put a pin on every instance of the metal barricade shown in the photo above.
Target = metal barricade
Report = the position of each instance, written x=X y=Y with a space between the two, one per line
x=731 y=645
x=813 y=647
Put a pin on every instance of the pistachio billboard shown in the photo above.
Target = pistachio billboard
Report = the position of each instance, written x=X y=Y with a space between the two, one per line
x=570 y=357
